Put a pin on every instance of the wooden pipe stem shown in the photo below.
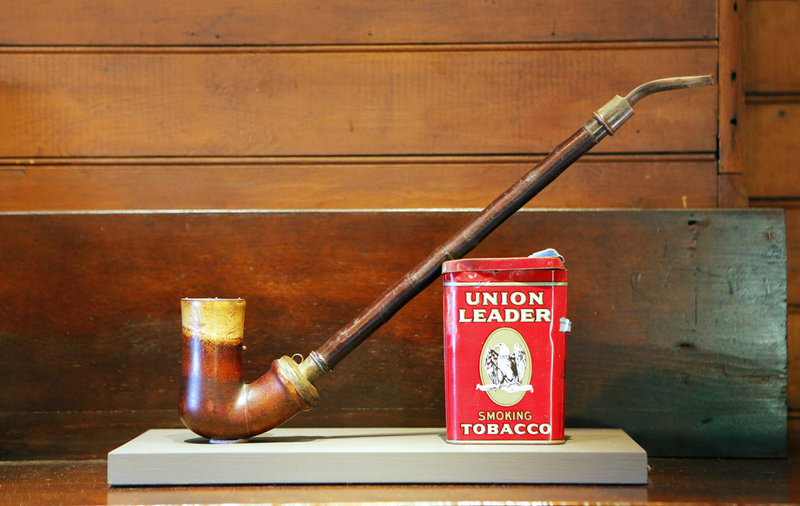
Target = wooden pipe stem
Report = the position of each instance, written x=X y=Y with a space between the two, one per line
x=461 y=243
x=606 y=121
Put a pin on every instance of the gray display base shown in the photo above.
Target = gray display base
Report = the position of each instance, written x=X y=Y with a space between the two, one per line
x=373 y=455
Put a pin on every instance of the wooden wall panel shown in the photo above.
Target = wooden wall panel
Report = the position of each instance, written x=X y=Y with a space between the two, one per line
x=346 y=105
x=731 y=191
x=793 y=362
x=241 y=102
x=772 y=46
x=793 y=253
x=205 y=22
x=348 y=183
x=678 y=336
x=772 y=82
x=791 y=207
x=730 y=87
x=772 y=156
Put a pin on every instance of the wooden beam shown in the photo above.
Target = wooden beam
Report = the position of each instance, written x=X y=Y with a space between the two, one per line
x=421 y=100
x=350 y=183
x=248 y=22
x=731 y=88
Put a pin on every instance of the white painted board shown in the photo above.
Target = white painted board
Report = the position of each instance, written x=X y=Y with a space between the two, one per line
x=373 y=455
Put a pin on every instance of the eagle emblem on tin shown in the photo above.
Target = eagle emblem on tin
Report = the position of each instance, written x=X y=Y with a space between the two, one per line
x=504 y=367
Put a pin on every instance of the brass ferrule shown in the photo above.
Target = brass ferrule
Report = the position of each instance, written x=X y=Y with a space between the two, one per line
x=595 y=129
x=619 y=109
x=313 y=367
x=298 y=378
x=614 y=113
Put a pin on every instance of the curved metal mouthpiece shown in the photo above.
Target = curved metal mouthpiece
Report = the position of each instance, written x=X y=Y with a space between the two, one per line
x=618 y=110
x=671 y=83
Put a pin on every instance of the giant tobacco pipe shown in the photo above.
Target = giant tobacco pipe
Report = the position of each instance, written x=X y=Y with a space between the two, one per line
x=216 y=403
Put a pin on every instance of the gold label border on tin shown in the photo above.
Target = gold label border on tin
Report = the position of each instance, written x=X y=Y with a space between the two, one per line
x=506 y=283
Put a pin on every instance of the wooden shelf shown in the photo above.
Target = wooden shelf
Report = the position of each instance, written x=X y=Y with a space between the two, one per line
x=379 y=455
x=670 y=481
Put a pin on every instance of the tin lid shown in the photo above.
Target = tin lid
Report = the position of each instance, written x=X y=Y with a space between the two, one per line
x=504 y=264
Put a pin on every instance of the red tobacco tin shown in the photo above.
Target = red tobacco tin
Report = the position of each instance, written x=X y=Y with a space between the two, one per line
x=504 y=324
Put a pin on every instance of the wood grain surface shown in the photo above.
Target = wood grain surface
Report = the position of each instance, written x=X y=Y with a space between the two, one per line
x=772 y=46
x=671 y=481
x=793 y=357
x=772 y=85
x=793 y=254
x=730 y=85
x=687 y=181
x=772 y=153
x=374 y=101
x=678 y=337
x=237 y=22
x=351 y=105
